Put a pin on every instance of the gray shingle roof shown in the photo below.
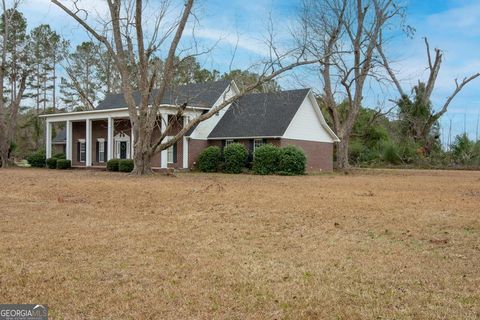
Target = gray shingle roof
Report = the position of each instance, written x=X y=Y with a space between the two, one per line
x=260 y=115
x=200 y=95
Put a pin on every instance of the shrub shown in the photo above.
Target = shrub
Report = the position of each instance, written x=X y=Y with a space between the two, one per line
x=292 y=161
x=266 y=159
x=235 y=155
x=64 y=164
x=125 y=165
x=402 y=153
x=51 y=163
x=356 y=150
x=209 y=159
x=112 y=165
x=37 y=159
x=391 y=154
x=59 y=156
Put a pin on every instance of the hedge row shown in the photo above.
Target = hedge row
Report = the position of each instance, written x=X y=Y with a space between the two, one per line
x=122 y=165
x=64 y=164
x=54 y=163
x=38 y=160
x=267 y=159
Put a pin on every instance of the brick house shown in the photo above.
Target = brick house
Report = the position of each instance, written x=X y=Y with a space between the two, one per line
x=91 y=138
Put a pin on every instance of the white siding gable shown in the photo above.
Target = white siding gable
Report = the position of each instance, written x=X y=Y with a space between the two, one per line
x=204 y=128
x=309 y=124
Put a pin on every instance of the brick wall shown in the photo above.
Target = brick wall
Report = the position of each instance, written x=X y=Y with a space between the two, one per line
x=319 y=154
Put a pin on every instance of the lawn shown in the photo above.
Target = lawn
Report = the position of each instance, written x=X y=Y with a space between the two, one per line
x=367 y=245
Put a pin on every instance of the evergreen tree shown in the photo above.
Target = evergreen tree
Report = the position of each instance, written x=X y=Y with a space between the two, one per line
x=82 y=88
x=244 y=78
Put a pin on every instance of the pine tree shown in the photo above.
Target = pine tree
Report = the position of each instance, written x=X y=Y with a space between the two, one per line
x=82 y=86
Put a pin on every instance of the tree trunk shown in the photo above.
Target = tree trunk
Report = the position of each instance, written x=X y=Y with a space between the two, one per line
x=142 y=154
x=142 y=163
x=4 y=153
x=342 y=154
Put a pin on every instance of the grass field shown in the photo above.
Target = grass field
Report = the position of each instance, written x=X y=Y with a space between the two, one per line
x=367 y=245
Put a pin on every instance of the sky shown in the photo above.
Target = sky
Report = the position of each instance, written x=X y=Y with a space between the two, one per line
x=236 y=30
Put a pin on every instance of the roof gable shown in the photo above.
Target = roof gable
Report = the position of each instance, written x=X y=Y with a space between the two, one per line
x=200 y=95
x=308 y=124
x=260 y=115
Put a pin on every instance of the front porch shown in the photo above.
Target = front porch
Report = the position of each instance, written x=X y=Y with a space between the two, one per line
x=93 y=138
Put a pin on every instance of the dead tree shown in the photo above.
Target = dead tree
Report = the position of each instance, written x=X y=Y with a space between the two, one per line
x=129 y=47
x=345 y=33
x=9 y=107
x=422 y=127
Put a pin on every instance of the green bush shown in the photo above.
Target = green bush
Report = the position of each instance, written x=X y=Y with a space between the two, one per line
x=51 y=163
x=112 y=165
x=292 y=161
x=356 y=149
x=266 y=159
x=391 y=154
x=37 y=159
x=64 y=164
x=59 y=156
x=463 y=149
x=209 y=159
x=235 y=156
x=125 y=165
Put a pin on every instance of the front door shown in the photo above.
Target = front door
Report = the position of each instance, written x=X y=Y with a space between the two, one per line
x=123 y=149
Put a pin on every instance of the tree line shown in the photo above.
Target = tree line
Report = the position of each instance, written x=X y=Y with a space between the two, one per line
x=344 y=40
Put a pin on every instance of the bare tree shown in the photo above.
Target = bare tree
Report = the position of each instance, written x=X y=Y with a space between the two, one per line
x=13 y=66
x=421 y=126
x=129 y=47
x=345 y=33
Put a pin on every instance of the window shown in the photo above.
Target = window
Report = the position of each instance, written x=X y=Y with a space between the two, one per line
x=172 y=154
x=258 y=143
x=229 y=141
x=83 y=150
x=101 y=150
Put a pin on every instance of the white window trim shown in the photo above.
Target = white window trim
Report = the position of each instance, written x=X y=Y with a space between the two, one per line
x=254 y=144
x=101 y=145
x=229 y=141
x=83 y=142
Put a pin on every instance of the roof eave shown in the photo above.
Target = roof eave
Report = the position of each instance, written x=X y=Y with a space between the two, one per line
x=246 y=137
x=110 y=110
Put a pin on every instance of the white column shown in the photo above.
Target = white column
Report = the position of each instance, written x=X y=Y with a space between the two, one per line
x=132 y=142
x=48 y=139
x=110 y=138
x=88 y=143
x=68 y=131
x=164 y=153
x=186 y=120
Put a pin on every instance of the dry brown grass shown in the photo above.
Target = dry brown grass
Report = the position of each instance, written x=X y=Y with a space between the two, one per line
x=368 y=245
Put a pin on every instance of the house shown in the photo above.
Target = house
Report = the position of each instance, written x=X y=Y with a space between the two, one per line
x=91 y=138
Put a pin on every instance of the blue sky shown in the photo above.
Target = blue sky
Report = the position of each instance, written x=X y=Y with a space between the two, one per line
x=451 y=25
